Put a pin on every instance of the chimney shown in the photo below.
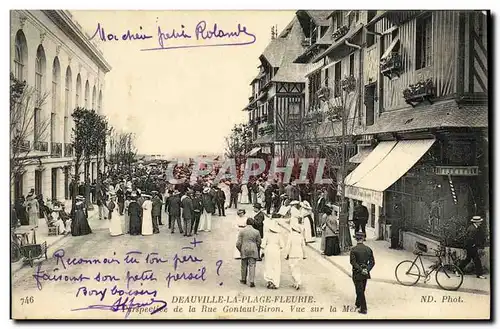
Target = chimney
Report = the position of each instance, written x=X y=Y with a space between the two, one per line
x=273 y=33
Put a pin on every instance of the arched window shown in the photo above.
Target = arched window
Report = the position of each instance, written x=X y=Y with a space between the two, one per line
x=94 y=95
x=67 y=105
x=87 y=94
x=78 y=90
x=99 y=104
x=39 y=74
x=56 y=76
x=21 y=56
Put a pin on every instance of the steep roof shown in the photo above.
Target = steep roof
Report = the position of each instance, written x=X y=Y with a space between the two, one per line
x=274 y=52
x=291 y=72
x=320 y=17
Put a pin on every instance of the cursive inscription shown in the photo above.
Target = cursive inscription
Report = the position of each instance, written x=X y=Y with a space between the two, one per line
x=126 y=305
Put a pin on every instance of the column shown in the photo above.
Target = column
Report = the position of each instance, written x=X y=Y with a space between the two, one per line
x=60 y=184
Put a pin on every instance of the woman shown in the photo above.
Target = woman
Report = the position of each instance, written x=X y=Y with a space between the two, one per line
x=295 y=253
x=330 y=240
x=135 y=215
x=147 y=218
x=260 y=194
x=21 y=211
x=126 y=217
x=241 y=223
x=57 y=220
x=244 y=194
x=308 y=223
x=115 y=224
x=33 y=210
x=80 y=225
x=271 y=246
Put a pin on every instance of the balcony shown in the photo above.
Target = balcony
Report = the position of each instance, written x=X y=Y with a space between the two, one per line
x=23 y=146
x=55 y=150
x=41 y=146
x=68 y=149
x=340 y=32
x=391 y=66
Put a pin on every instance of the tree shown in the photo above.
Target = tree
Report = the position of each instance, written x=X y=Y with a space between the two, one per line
x=25 y=101
x=238 y=143
x=122 y=148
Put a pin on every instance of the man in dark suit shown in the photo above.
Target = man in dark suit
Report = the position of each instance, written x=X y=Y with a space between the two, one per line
x=474 y=240
x=187 y=212
x=221 y=199
x=156 y=212
x=174 y=211
x=258 y=223
x=268 y=198
x=235 y=190
x=320 y=209
x=362 y=262
x=197 y=210
x=248 y=245
x=360 y=217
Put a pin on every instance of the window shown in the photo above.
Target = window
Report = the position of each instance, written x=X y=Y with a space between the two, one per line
x=370 y=38
x=338 y=77
x=39 y=71
x=38 y=182
x=351 y=64
x=99 y=106
x=314 y=84
x=93 y=98
x=326 y=77
x=55 y=85
x=423 y=47
x=67 y=100
x=87 y=95
x=323 y=30
x=339 y=19
x=36 y=125
x=20 y=56
x=52 y=128
x=78 y=90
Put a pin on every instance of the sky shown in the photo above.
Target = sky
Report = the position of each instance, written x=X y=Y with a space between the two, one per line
x=179 y=102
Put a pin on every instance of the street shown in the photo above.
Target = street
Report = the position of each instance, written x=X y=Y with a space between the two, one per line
x=86 y=275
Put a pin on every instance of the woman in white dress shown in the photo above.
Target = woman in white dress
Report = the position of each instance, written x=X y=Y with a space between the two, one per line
x=260 y=194
x=271 y=246
x=241 y=223
x=295 y=212
x=307 y=222
x=295 y=253
x=244 y=194
x=115 y=224
x=33 y=209
x=147 y=218
x=126 y=217
x=225 y=188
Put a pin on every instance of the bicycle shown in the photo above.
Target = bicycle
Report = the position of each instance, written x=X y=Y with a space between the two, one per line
x=15 y=247
x=411 y=270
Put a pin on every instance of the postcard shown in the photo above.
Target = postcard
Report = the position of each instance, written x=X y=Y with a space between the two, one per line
x=294 y=164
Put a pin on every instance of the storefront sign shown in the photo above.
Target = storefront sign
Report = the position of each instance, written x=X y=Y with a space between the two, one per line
x=370 y=196
x=457 y=170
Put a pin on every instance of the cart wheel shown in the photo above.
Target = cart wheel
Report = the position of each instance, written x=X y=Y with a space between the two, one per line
x=15 y=252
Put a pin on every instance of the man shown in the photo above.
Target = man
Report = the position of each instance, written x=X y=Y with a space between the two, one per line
x=208 y=209
x=156 y=212
x=268 y=198
x=360 y=217
x=474 y=240
x=248 y=244
x=197 y=210
x=258 y=223
x=320 y=209
x=221 y=199
x=235 y=190
x=187 y=212
x=174 y=211
x=362 y=262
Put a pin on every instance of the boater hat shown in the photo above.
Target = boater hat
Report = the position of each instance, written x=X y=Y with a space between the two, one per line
x=476 y=219
x=294 y=202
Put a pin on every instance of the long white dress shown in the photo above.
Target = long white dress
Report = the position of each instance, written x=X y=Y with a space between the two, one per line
x=147 y=219
x=260 y=195
x=126 y=218
x=306 y=224
x=225 y=188
x=115 y=225
x=244 y=194
x=272 y=245
x=241 y=223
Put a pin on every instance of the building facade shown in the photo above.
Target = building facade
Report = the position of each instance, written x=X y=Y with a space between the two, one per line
x=50 y=51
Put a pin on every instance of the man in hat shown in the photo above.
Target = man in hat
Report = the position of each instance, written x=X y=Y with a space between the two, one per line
x=258 y=222
x=156 y=211
x=474 y=240
x=362 y=262
x=248 y=244
x=120 y=198
x=174 y=211
x=360 y=217
x=221 y=199
x=187 y=212
x=111 y=204
x=197 y=210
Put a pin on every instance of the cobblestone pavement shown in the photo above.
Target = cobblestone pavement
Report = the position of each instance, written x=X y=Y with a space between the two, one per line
x=209 y=269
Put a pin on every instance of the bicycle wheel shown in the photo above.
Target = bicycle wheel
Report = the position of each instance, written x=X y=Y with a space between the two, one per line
x=15 y=252
x=449 y=277
x=407 y=273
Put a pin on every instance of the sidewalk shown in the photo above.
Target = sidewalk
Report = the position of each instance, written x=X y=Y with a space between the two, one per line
x=42 y=234
x=386 y=261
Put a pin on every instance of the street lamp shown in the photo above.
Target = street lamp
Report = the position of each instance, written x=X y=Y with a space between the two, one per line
x=344 y=233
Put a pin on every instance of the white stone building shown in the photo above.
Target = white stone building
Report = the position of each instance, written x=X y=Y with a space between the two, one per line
x=50 y=51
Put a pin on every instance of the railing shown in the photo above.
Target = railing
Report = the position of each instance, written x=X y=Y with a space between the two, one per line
x=68 y=149
x=56 y=149
x=24 y=146
x=41 y=146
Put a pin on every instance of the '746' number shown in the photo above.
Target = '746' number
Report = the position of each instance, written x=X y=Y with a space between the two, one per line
x=27 y=300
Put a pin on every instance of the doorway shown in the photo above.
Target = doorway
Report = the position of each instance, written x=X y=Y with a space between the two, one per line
x=370 y=103
x=54 y=183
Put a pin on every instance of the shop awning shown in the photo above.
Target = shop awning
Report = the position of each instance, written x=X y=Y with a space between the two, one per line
x=254 y=151
x=369 y=185
x=361 y=155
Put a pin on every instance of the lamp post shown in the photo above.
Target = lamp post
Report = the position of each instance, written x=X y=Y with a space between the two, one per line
x=344 y=233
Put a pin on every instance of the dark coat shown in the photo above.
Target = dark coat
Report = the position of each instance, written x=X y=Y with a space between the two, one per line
x=135 y=215
x=197 y=205
x=187 y=208
x=157 y=204
x=208 y=202
x=174 y=206
x=360 y=215
x=320 y=205
x=474 y=237
x=258 y=223
x=361 y=257
x=221 y=196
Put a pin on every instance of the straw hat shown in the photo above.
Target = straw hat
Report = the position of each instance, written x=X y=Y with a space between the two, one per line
x=294 y=202
x=273 y=227
x=476 y=219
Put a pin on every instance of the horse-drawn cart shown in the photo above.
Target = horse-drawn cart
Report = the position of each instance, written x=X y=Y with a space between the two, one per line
x=27 y=245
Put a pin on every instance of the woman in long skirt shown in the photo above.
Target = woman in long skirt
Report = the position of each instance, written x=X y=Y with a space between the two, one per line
x=330 y=240
x=126 y=217
x=271 y=246
x=147 y=218
x=32 y=207
x=244 y=194
x=115 y=224
x=295 y=253
x=80 y=225
x=135 y=216
x=307 y=221
x=241 y=223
